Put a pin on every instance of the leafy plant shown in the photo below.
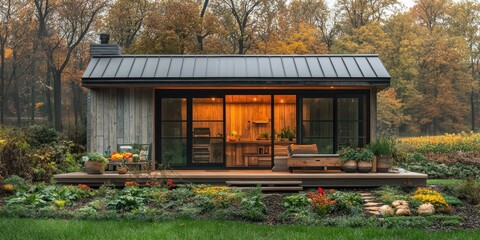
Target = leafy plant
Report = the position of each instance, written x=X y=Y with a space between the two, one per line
x=321 y=202
x=41 y=134
x=253 y=208
x=426 y=195
x=365 y=155
x=382 y=146
x=347 y=153
x=296 y=202
x=348 y=203
x=16 y=181
x=96 y=157
x=287 y=132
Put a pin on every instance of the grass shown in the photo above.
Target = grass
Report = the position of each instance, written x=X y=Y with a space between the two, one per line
x=444 y=182
x=16 y=228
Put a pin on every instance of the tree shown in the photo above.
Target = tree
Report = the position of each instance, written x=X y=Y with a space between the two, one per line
x=124 y=20
x=237 y=17
x=463 y=20
x=358 y=13
x=389 y=112
x=73 y=20
x=431 y=12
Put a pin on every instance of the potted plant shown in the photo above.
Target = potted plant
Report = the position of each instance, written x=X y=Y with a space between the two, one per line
x=286 y=133
x=383 y=148
x=348 y=156
x=365 y=158
x=263 y=136
x=96 y=163
x=122 y=168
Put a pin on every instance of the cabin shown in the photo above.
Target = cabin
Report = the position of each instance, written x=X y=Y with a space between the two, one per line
x=234 y=115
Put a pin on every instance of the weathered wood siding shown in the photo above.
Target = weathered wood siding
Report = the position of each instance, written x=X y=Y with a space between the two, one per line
x=119 y=116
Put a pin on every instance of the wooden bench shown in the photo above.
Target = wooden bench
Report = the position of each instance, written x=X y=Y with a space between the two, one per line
x=306 y=157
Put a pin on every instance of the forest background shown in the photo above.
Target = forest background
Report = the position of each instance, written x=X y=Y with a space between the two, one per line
x=431 y=49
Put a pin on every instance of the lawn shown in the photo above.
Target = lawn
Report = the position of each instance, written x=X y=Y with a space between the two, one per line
x=16 y=228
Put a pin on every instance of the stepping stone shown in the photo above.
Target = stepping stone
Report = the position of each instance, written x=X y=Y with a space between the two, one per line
x=369 y=197
x=371 y=204
x=370 y=208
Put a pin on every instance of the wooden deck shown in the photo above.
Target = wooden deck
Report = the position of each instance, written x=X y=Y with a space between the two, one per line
x=220 y=177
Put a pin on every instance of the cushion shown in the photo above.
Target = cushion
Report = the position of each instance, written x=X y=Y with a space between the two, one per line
x=302 y=149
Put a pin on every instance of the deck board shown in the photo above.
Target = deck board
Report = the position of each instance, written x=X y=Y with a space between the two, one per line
x=308 y=179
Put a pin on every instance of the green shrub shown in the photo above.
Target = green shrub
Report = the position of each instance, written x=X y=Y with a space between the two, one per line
x=14 y=155
x=388 y=194
x=345 y=221
x=16 y=181
x=470 y=191
x=404 y=222
x=252 y=206
x=347 y=203
x=40 y=134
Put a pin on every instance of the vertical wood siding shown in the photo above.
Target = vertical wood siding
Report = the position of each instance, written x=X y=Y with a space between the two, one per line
x=119 y=116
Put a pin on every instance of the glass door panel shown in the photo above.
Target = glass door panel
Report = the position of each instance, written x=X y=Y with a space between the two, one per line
x=173 y=128
x=317 y=123
x=350 y=121
x=207 y=127
x=248 y=129
x=285 y=112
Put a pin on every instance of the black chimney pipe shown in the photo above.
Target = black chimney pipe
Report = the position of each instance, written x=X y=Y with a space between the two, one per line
x=104 y=38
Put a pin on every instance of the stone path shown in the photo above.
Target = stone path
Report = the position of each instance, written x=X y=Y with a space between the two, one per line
x=370 y=205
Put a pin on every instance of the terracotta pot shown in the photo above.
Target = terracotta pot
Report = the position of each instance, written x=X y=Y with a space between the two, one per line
x=384 y=163
x=350 y=166
x=122 y=170
x=94 y=167
x=364 y=167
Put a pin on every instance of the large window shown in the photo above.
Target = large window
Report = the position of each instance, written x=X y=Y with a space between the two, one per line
x=333 y=123
x=318 y=123
x=173 y=124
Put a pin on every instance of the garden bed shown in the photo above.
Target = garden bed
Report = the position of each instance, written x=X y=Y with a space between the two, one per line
x=163 y=200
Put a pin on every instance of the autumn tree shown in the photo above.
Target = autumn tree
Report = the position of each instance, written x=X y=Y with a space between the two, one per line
x=124 y=20
x=63 y=26
x=463 y=20
x=237 y=16
x=358 y=13
x=431 y=12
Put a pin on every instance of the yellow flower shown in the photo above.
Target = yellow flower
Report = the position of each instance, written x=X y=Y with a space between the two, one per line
x=59 y=203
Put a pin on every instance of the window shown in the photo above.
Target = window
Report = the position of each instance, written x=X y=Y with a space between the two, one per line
x=173 y=125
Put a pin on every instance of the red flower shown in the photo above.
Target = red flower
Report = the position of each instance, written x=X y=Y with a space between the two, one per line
x=320 y=191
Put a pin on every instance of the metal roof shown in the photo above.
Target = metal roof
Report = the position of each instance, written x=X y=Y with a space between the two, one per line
x=129 y=70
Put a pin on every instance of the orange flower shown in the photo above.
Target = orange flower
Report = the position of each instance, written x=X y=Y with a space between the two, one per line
x=131 y=184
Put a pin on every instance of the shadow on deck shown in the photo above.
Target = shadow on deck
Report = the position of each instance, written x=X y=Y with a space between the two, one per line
x=221 y=177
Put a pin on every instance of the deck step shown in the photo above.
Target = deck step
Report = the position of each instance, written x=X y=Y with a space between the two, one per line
x=278 y=188
x=263 y=183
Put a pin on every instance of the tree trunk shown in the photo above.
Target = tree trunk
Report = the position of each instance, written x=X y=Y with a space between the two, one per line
x=57 y=100
x=472 y=103
x=2 y=85
x=16 y=99
x=32 y=103
x=49 y=100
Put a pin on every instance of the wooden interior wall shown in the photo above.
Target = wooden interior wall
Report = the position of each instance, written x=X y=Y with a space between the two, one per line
x=248 y=117
x=119 y=116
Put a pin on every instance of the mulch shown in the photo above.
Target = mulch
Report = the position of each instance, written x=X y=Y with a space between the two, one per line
x=274 y=203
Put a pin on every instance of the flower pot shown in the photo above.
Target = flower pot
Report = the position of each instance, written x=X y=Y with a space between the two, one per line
x=122 y=170
x=350 y=166
x=384 y=163
x=94 y=167
x=364 y=167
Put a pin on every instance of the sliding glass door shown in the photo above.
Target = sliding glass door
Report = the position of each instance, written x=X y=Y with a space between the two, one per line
x=173 y=129
x=334 y=122
x=207 y=131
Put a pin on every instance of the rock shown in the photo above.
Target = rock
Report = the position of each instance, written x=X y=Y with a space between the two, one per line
x=385 y=210
x=399 y=202
x=403 y=212
x=372 y=204
x=426 y=209
x=401 y=207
